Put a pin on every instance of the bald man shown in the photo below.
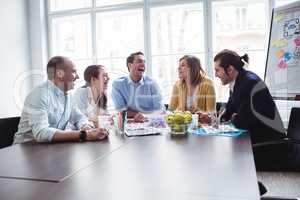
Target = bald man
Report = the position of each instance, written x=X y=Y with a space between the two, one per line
x=49 y=108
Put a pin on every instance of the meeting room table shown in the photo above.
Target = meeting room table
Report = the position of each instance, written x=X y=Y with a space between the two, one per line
x=131 y=168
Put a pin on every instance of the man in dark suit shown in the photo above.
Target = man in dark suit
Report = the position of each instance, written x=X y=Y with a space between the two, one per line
x=251 y=106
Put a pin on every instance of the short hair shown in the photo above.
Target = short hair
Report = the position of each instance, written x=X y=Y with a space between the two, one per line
x=228 y=57
x=130 y=58
x=196 y=71
x=56 y=62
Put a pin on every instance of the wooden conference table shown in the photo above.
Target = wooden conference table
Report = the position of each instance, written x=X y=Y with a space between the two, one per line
x=141 y=168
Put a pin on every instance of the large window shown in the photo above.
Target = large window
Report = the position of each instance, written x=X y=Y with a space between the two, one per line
x=57 y=5
x=175 y=31
x=107 y=31
x=118 y=34
x=240 y=25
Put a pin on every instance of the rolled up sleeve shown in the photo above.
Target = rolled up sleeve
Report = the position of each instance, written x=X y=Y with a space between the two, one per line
x=36 y=110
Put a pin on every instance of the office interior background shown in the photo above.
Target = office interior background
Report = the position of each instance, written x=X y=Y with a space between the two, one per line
x=105 y=32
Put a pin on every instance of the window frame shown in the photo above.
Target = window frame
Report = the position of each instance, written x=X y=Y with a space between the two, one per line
x=146 y=6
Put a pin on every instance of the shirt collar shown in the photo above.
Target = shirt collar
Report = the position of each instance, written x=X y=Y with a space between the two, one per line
x=231 y=85
x=130 y=81
x=56 y=90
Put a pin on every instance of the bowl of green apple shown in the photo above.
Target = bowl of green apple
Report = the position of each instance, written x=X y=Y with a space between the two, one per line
x=178 y=121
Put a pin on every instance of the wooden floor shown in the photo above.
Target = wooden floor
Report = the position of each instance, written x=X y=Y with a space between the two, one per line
x=285 y=184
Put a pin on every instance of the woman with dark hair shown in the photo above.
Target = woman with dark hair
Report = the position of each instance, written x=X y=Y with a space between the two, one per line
x=194 y=91
x=91 y=99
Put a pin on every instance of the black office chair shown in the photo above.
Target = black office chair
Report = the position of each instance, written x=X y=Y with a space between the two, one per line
x=292 y=142
x=8 y=128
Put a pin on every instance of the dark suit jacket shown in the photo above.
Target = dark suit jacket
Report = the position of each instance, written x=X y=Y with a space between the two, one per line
x=255 y=109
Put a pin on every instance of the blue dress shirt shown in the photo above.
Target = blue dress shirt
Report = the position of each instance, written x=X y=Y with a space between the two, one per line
x=46 y=110
x=143 y=96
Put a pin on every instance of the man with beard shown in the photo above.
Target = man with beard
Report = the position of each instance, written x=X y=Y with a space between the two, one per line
x=251 y=107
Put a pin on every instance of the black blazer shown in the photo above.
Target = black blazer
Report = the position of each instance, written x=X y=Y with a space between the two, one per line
x=255 y=109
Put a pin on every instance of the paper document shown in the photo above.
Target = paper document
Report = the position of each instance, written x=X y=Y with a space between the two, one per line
x=150 y=127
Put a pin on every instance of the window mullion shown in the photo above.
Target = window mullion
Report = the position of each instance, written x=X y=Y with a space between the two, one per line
x=208 y=44
x=147 y=36
x=93 y=27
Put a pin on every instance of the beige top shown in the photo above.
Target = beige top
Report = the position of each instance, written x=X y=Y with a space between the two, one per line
x=204 y=96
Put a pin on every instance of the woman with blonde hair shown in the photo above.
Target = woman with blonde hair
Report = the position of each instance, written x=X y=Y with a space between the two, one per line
x=194 y=91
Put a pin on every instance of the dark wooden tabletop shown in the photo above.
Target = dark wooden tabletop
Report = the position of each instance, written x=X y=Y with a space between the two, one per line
x=53 y=162
x=149 y=168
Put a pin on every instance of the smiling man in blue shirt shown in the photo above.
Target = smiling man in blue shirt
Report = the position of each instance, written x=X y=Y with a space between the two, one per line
x=136 y=93
x=49 y=108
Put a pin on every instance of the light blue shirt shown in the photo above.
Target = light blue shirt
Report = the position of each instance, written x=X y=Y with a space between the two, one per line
x=46 y=110
x=143 y=96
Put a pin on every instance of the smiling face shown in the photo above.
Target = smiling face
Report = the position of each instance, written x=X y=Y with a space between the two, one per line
x=221 y=74
x=100 y=82
x=183 y=70
x=137 y=67
x=69 y=75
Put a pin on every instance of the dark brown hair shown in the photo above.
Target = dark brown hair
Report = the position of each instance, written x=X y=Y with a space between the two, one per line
x=196 y=71
x=130 y=58
x=228 y=57
x=93 y=71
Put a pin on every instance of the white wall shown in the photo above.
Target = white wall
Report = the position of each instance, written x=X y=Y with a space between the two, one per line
x=14 y=56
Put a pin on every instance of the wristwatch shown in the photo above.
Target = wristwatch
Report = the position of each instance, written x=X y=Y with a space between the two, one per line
x=82 y=136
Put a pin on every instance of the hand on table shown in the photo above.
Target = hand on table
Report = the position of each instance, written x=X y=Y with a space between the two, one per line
x=139 y=117
x=96 y=134
x=203 y=118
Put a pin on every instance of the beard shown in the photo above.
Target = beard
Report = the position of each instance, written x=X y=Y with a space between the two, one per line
x=225 y=80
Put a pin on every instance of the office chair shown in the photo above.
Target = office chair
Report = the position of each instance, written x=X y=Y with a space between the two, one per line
x=8 y=128
x=292 y=142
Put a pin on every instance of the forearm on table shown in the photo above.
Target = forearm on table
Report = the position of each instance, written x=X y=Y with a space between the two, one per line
x=69 y=135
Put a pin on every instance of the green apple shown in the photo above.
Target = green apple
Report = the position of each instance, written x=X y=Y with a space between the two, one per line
x=169 y=119
x=187 y=118
x=179 y=118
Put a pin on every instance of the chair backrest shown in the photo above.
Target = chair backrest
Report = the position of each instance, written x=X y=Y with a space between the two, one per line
x=8 y=128
x=294 y=124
